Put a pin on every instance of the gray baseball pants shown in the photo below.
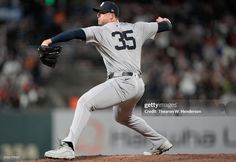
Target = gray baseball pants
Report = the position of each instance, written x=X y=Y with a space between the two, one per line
x=121 y=93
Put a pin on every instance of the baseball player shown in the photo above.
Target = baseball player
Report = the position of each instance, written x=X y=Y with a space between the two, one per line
x=120 y=46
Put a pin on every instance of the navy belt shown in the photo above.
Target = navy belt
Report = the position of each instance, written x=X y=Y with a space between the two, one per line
x=112 y=75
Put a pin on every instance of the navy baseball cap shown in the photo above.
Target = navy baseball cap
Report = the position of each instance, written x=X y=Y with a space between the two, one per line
x=108 y=6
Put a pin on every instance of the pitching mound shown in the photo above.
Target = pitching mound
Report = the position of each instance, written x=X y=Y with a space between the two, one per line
x=141 y=158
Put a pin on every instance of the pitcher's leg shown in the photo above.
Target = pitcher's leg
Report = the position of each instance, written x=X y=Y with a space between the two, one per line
x=81 y=117
x=123 y=115
x=99 y=97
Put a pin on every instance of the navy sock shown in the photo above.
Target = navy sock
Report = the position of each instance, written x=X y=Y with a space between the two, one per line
x=69 y=144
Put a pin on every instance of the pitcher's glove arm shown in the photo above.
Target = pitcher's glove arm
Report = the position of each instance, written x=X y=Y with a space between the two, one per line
x=49 y=54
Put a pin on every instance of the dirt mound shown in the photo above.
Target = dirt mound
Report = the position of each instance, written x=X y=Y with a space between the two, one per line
x=141 y=158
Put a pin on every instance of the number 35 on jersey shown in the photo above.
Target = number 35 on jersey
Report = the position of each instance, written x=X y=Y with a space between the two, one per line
x=126 y=40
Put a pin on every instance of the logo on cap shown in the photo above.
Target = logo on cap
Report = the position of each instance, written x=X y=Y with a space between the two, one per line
x=102 y=4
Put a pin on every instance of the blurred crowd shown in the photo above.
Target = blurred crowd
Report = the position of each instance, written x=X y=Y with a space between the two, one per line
x=196 y=60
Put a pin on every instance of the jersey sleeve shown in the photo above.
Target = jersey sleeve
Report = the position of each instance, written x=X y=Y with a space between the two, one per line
x=93 y=34
x=148 y=30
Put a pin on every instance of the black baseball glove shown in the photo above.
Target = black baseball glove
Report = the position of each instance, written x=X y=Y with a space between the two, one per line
x=49 y=55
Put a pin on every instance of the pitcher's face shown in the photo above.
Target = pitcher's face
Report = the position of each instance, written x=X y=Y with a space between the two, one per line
x=104 y=18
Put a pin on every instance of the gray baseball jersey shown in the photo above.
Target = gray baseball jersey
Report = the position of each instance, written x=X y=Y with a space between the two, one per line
x=120 y=43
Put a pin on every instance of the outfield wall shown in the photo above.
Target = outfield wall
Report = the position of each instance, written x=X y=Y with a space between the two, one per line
x=24 y=135
x=29 y=135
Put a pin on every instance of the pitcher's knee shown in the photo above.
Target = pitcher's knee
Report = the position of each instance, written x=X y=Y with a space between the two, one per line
x=85 y=103
x=122 y=120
